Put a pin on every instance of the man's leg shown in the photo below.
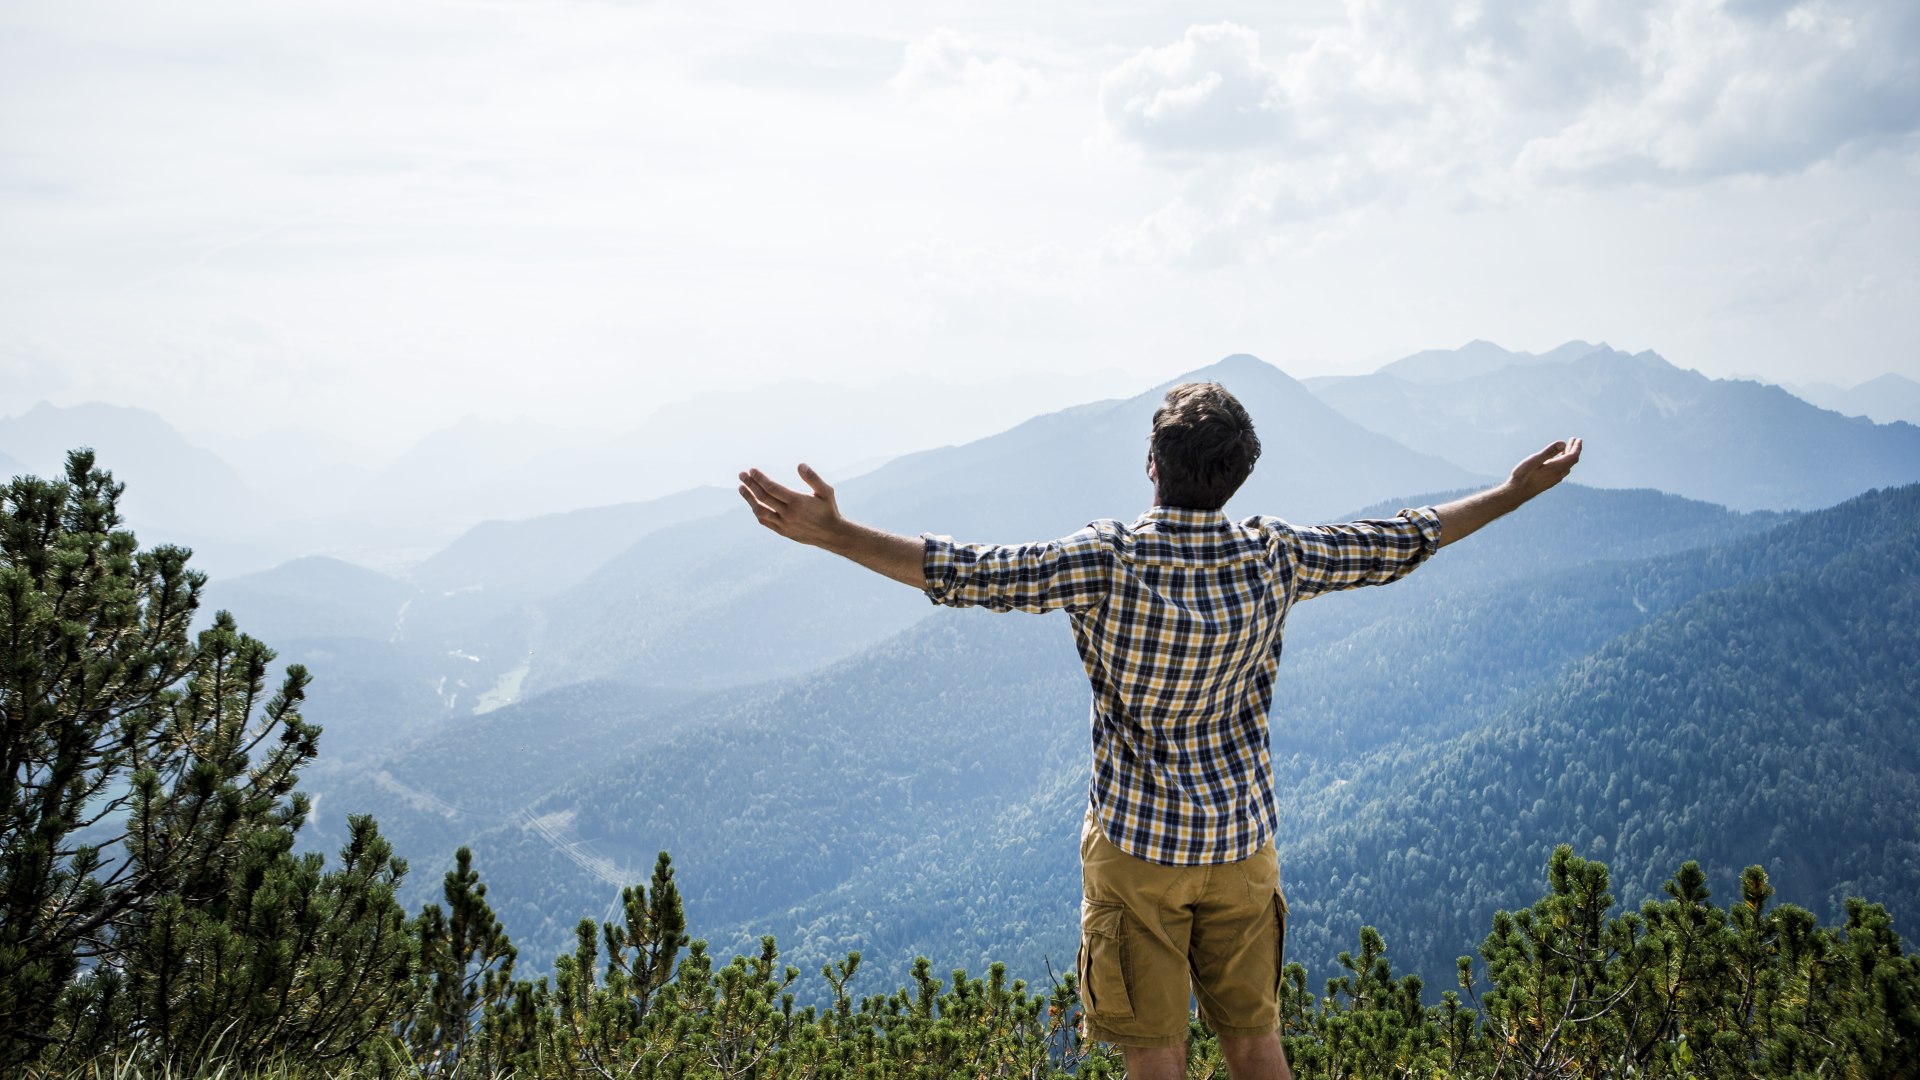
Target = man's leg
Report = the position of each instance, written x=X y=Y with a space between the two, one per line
x=1157 y=1063
x=1238 y=944
x=1258 y=1058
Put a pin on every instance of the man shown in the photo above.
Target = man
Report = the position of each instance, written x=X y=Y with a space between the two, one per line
x=1178 y=618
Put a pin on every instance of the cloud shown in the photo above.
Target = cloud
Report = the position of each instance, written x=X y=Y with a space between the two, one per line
x=1480 y=102
x=805 y=61
x=1752 y=88
x=1583 y=91
x=945 y=70
x=1250 y=216
x=1209 y=91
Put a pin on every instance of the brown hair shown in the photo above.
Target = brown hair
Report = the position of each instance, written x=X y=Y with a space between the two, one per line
x=1203 y=446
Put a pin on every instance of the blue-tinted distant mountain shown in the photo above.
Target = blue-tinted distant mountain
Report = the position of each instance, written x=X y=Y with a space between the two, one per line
x=1888 y=399
x=472 y=471
x=372 y=685
x=843 y=429
x=444 y=642
x=497 y=566
x=533 y=556
x=1475 y=358
x=723 y=601
x=1646 y=424
x=481 y=469
x=321 y=468
x=314 y=596
x=177 y=492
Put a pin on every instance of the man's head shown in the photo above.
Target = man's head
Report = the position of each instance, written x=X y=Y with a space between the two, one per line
x=1203 y=447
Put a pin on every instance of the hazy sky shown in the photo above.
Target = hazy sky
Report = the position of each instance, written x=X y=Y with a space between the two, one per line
x=375 y=215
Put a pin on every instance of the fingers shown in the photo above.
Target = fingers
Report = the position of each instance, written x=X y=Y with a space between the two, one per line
x=1569 y=454
x=1541 y=457
x=820 y=487
x=767 y=515
x=763 y=487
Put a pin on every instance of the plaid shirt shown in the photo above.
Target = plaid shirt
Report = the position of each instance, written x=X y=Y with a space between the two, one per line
x=1178 y=619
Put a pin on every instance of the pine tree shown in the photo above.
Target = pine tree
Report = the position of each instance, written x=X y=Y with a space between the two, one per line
x=148 y=890
x=464 y=968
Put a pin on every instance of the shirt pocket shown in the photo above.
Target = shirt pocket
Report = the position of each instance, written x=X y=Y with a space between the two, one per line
x=1103 y=961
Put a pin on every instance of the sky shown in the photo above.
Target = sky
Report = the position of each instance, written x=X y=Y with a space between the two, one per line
x=374 y=216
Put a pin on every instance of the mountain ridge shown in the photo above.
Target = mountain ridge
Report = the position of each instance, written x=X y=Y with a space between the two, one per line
x=712 y=598
x=1646 y=423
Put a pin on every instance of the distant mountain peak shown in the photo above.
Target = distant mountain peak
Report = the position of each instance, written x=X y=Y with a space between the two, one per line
x=1884 y=399
x=45 y=410
x=1571 y=350
x=1237 y=363
x=1476 y=357
x=1241 y=366
x=1482 y=346
x=1241 y=359
x=1662 y=426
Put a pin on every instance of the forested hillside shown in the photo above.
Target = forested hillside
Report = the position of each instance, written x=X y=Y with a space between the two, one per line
x=1771 y=723
x=906 y=800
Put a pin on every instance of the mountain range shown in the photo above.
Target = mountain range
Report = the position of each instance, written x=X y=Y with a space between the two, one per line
x=900 y=803
x=721 y=600
x=1676 y=655
x=1646 y=423
x=1884 y=400
x=245 y=504
x=177 y=492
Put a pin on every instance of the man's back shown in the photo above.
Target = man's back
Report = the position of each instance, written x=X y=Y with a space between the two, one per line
x=1178 y=618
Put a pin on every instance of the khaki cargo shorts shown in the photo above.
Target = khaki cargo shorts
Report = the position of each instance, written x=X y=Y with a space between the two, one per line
x=1154 y=938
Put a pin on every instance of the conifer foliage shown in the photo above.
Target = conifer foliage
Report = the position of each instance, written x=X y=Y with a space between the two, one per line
x=148 y=889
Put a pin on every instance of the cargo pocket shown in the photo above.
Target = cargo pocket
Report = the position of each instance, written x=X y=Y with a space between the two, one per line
x=1279 y=938
x=1103 y=962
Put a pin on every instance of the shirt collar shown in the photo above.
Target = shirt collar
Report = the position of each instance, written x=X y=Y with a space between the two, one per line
x=1182 y=516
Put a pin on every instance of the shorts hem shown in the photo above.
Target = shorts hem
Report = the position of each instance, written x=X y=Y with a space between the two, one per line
x=1097 y=1033
x=1245 y=1032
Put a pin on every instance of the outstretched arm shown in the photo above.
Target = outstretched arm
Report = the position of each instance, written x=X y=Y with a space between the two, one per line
x=1462 y=517
x=815 y=519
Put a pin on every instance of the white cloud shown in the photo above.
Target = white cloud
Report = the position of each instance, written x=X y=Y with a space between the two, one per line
x=946 y=69
x=390 y=213
x=1209 y=91
x=1728 y=89
x=1485 y=101
x=1584 y=90
x=1250 y=216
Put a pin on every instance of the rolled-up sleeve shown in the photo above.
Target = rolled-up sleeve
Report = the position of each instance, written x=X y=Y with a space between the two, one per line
x=1071 y=573
x=1327 y=558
